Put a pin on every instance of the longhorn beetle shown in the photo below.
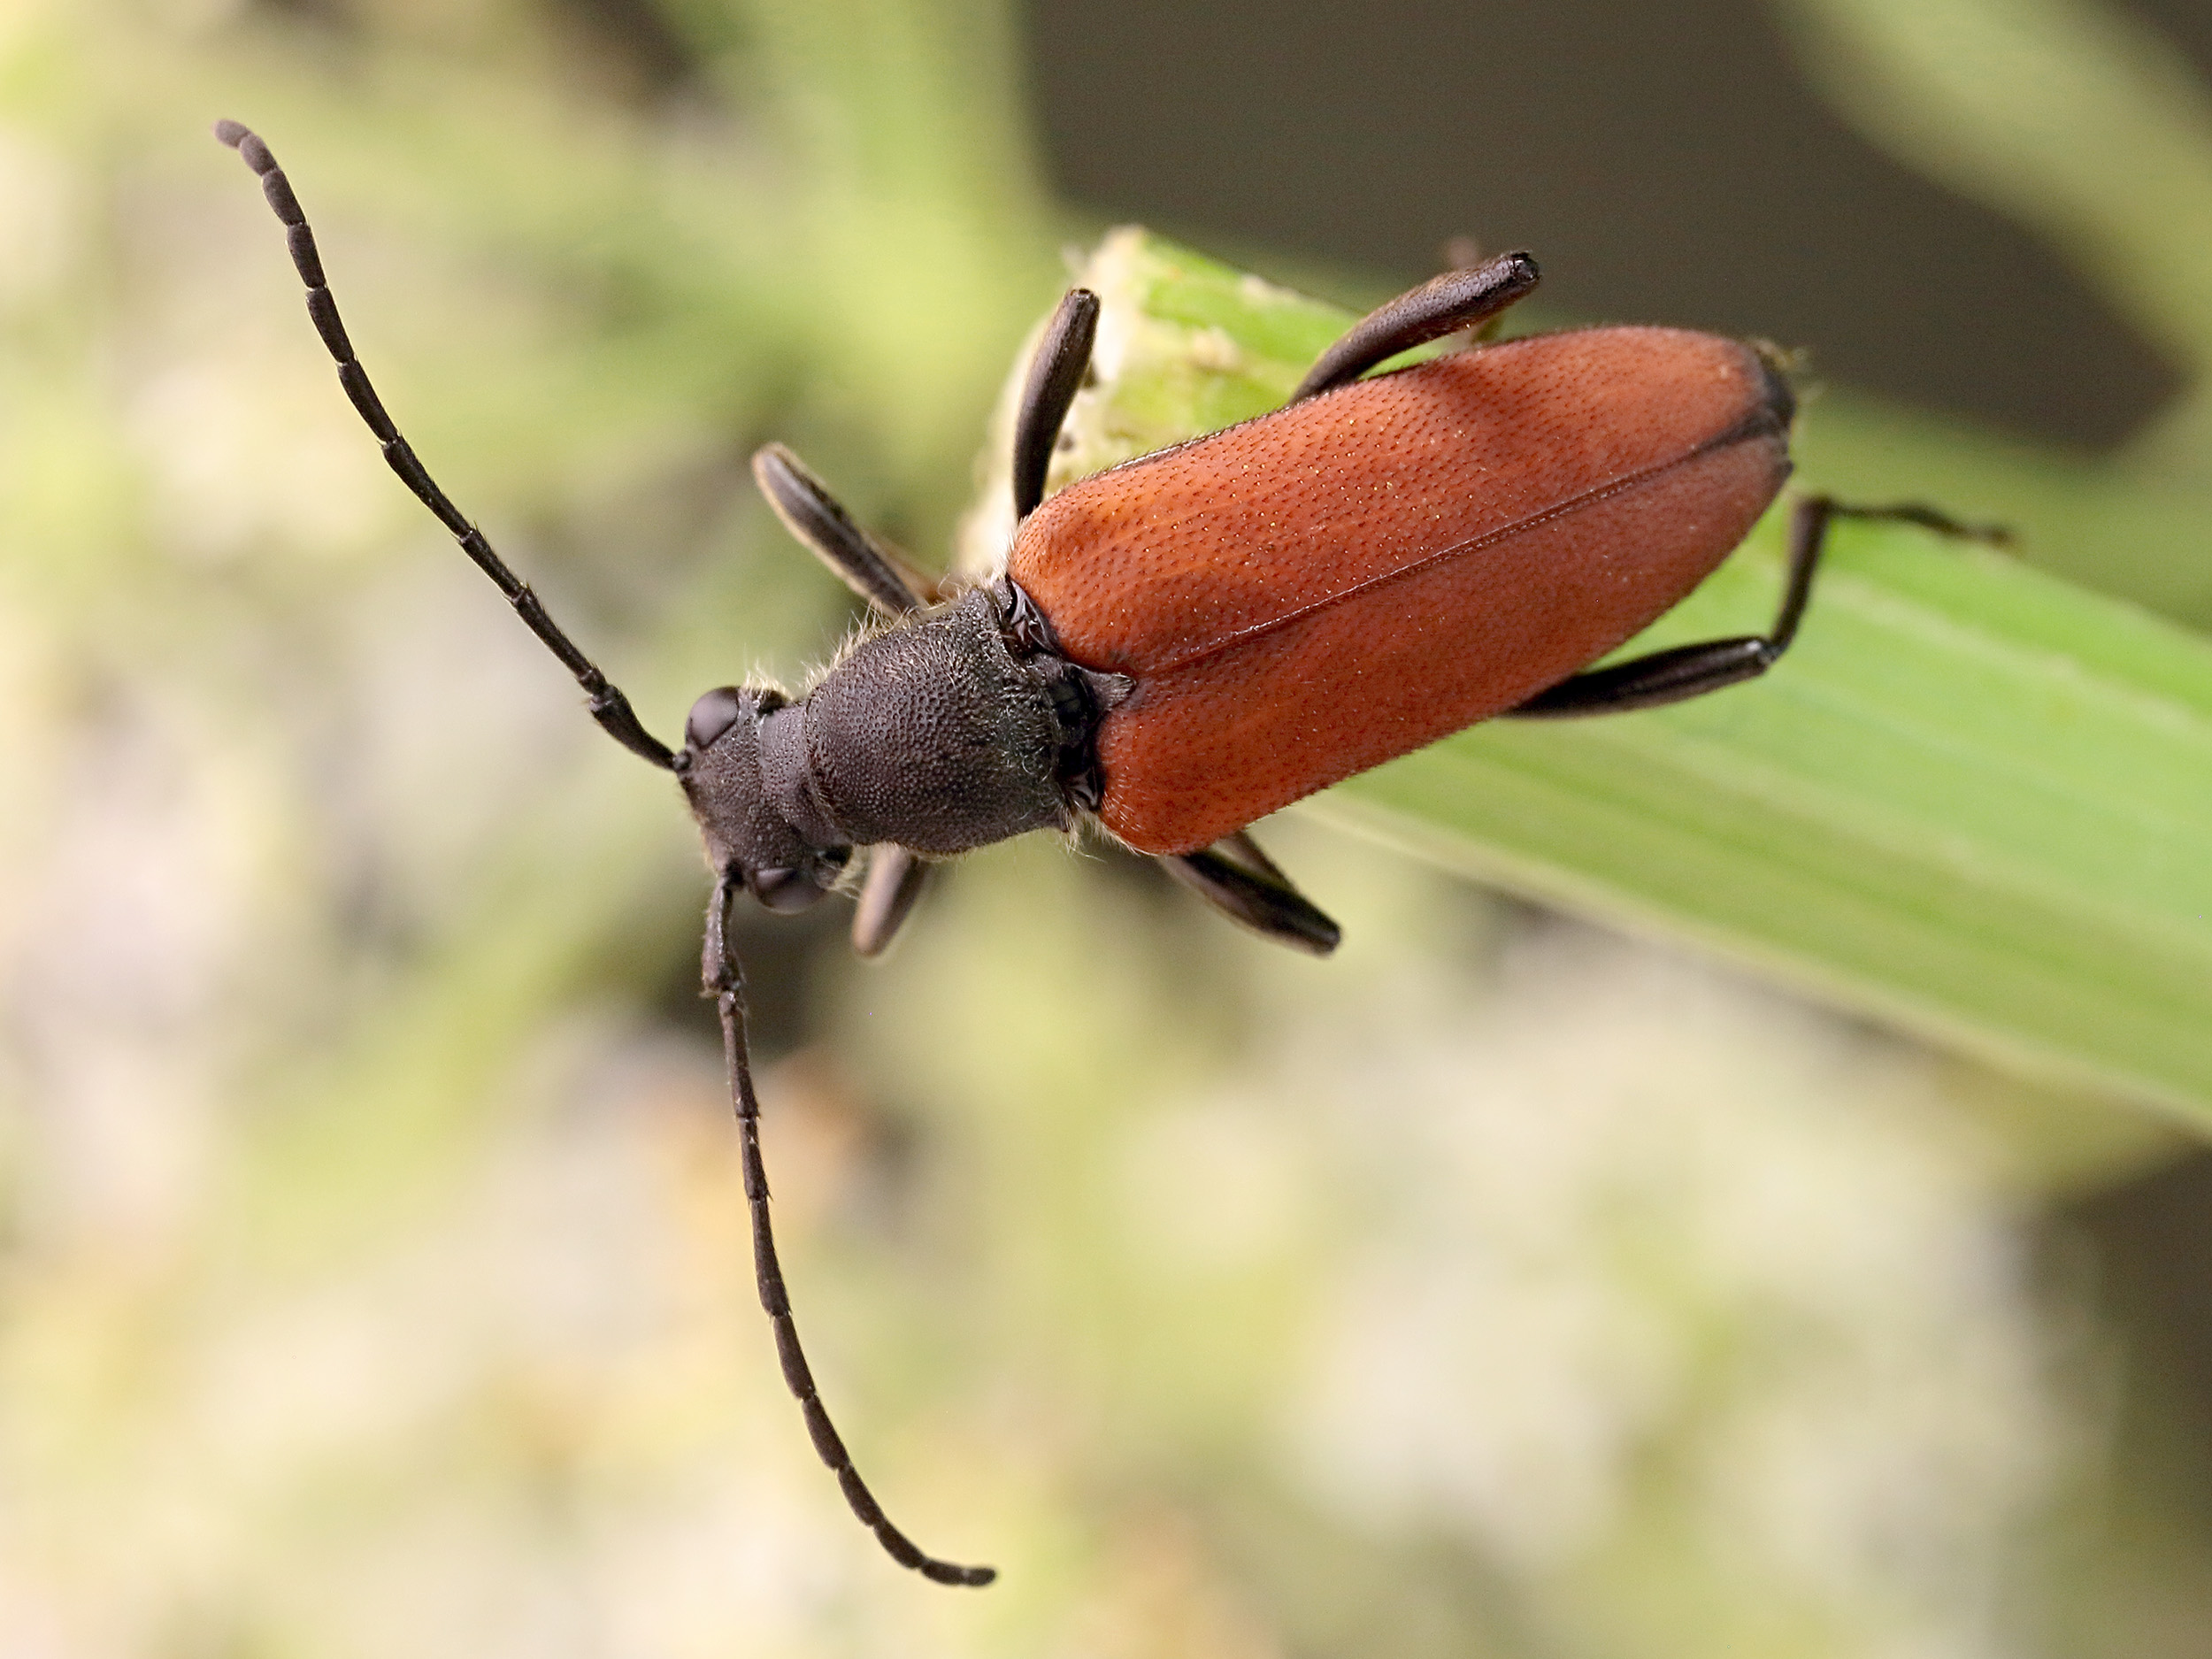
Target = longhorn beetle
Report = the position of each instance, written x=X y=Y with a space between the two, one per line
x=1181 y=644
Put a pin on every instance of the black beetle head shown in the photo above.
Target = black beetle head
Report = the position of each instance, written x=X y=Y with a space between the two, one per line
x=745 y=811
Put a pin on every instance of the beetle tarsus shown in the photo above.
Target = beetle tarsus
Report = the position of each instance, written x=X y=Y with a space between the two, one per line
x=1683 y=671
x=870 y=567
x=1442 y=306
x=1064 y=356
x=1246 y=885
x=889 y=894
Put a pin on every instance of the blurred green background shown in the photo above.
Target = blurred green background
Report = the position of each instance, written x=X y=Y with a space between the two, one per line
x=375 y=1273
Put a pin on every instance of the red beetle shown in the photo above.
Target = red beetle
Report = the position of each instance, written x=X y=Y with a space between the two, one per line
x=1182 y=644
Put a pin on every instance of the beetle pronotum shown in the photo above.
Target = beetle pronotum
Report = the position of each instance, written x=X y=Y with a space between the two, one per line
x=1179 y=645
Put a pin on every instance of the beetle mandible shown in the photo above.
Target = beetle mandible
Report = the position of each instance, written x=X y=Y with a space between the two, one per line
x=1181 y=644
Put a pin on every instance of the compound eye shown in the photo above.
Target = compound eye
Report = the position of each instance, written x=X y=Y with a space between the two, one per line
x=711 y=716
x=783 y=891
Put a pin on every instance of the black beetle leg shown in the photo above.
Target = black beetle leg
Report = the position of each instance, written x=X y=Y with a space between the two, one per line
x=1245 y=884
x=1056 y=373
x=877 y=572
x=1442 y=306
x=1691 y=671
x=895 y=881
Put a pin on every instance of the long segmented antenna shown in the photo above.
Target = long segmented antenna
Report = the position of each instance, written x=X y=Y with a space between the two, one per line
x=725 y=982
x=609 y=706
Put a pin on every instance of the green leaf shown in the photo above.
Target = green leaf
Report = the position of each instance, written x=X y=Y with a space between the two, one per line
x=1974 y=800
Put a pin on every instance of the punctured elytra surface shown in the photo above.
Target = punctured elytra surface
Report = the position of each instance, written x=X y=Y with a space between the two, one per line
x=1315 y=592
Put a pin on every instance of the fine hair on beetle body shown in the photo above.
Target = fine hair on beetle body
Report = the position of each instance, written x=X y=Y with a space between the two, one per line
x=1182 y=644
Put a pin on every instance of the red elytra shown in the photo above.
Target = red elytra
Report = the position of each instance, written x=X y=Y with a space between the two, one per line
x=1347 y=580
